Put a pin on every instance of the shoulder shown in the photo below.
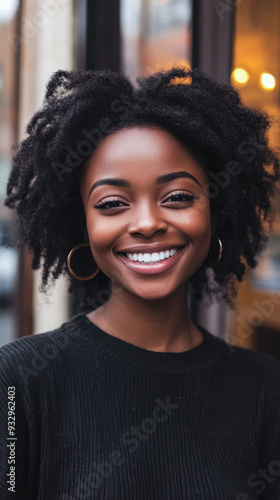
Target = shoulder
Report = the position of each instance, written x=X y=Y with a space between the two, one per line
x=22 y=346
x=255 y=371
x=34 y=352
x=252 y=379
x=254 y=361
x=244 y=362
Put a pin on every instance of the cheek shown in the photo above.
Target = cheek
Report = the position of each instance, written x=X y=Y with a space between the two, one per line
x=197 y=221
x=197 y=225
x=202 y=225
x=101 y=232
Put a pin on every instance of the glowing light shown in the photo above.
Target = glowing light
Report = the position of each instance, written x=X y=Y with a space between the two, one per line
x=184 y=81
x=240 y=75
x=267 y=81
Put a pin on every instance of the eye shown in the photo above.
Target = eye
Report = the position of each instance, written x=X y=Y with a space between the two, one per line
x=181 y=196
x=114 y=203
x=109 y=203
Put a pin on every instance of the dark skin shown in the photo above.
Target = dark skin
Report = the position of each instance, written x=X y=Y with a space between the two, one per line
x=150 y=311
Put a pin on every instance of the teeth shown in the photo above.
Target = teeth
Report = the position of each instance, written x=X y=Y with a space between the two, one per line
x=150 y=258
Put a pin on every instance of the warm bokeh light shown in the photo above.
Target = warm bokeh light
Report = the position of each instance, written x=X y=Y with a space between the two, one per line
x=240 y=75
x=267 y=81
x=184 y=81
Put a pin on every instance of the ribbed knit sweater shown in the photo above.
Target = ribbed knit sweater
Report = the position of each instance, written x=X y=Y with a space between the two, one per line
x=99 y=418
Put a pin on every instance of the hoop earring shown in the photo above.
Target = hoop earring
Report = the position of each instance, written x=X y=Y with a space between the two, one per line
x=219 y=254
x=70 y=267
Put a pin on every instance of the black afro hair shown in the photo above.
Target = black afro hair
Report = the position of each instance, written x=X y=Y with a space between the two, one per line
x=84 y=106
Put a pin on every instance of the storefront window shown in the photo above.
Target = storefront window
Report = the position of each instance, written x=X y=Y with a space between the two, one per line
x=36 y=39
x=256 y=74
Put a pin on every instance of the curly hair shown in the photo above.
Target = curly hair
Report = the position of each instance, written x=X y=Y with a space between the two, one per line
x=228 y=139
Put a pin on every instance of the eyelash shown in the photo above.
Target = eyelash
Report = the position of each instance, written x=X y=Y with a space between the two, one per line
x=179 y=194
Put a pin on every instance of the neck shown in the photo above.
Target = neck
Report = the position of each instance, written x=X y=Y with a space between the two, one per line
x=159 y=325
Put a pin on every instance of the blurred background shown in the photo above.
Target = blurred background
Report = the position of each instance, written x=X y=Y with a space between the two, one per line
x=234 y=41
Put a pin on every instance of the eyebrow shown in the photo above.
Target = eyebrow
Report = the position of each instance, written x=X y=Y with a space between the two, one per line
x=160 y=180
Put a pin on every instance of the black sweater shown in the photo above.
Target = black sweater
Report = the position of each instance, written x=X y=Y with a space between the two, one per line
x=100 y=418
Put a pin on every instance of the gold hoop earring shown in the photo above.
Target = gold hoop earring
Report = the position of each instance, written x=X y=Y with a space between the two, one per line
x=219 y=253
x=70 y=255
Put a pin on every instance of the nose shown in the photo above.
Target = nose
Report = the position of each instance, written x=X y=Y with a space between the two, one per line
x=146 y=220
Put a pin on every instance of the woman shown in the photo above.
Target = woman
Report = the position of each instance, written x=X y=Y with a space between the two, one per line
x=134 y=192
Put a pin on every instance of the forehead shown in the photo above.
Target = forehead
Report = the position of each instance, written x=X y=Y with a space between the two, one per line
x=141 y=151
x=147 y=141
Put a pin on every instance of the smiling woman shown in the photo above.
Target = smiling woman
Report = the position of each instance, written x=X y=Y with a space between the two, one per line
x=133 y=212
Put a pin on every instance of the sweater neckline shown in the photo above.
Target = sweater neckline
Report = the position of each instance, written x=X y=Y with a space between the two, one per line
x=199 y=358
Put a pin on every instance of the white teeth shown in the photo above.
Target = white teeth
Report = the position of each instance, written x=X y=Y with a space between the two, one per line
x=147 y=257
x=151 y=257
x=155 y=257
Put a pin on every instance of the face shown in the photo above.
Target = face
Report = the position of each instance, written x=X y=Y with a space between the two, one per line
x=151 y=201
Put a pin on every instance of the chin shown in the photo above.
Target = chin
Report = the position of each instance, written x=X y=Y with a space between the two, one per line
x=151 y=295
